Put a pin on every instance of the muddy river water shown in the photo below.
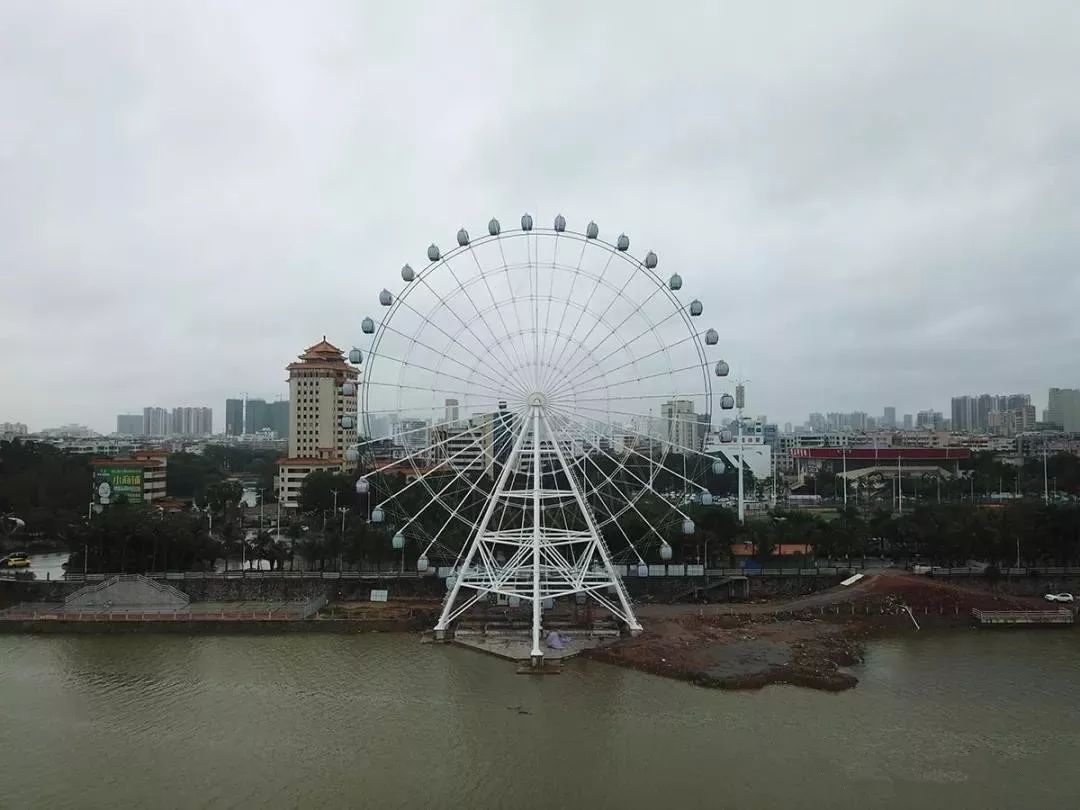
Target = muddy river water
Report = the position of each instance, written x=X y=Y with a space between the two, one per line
x=953 y=720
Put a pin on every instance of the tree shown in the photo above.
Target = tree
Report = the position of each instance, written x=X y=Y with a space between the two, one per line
x=223 y=496
x=317 y=491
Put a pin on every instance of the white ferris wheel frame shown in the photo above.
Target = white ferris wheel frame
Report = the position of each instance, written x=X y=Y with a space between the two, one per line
x=539 y=562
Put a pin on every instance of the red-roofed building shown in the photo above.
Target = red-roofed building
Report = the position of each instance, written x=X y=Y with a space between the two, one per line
x=317 y=440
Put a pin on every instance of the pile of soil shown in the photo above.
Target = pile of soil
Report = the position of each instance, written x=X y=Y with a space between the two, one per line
x=739 y=652
x=921 y=592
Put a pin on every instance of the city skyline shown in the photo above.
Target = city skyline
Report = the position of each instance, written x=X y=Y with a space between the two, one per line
x=875 y=415
x=855 y=234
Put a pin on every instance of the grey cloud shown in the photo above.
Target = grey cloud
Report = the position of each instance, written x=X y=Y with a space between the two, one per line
x=877 y=202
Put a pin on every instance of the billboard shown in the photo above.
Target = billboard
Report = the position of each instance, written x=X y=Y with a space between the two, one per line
x=112 y=482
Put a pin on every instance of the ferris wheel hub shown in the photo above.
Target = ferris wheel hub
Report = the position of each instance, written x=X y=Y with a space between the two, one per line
x=536 y=398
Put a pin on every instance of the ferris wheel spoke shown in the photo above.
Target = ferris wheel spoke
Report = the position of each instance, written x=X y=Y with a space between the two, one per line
x=609 y=478
x=633 y=506
x=441 y=353
x=635 y=397
x=652 y=330
x=637 y=309
x=620 y=468
x=440 y=372
x=638 y=359
x=421 y=409
x=494 y=304
x=419 y=452
x=701 y=453
x=408 y=432
x=437 y=498
x=454 y=469
x=513 y=301
x=641 y=481
x=433 y=389
x=429 y=321
x=665 y=373
x=541 y=354
x=451 y=515
x=566 y=307
x=581 y=313
x=511 y=384
x=496 y=342
x=637 y=453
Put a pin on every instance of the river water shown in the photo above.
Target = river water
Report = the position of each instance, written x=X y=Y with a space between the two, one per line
x=960 y=720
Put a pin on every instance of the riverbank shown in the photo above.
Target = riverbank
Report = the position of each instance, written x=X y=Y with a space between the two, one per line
x=404 y=616
x=741 y=652
x=810 y=641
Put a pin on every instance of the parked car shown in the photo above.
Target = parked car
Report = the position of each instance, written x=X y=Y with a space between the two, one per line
x=1058 y=597
x=16 y=559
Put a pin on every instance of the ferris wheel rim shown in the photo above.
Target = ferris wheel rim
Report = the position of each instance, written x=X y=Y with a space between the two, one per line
x=384 y=324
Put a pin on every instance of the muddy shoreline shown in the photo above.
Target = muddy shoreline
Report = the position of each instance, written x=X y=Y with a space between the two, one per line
x=806 y=642
x=742 y=652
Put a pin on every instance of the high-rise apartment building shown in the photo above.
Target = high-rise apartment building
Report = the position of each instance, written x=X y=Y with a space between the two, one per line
x=256 y=416
x=680 y=426
x=909 y=422
x=888 y=420
x=964 y=413
x=452 y=410
x=412 y=434
x=191 y=422
x=317 y=403
x=1063 y=408
x=13 y=429
x=929 y=420
x=278 y=417
x=234 y=417
x=129 y=424
x=155 y=422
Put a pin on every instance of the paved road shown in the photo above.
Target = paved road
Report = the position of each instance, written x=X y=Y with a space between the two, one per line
x=839 y=595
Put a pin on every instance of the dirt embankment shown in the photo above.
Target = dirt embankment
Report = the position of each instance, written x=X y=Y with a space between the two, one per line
x=740 y=652
x=806 y=641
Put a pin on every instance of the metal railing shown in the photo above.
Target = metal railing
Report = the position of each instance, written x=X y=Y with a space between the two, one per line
x=631 y=571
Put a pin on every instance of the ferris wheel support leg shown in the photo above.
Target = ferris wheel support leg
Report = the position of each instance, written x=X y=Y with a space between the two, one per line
x=537 y=654
x=448 y=606
x=632 y=623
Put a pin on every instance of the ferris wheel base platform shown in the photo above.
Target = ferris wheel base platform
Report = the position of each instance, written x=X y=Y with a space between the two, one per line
x=515 y=644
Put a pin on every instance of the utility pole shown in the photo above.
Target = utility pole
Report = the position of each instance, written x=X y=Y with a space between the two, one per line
x=341 y=543
x=899 y=488
x=740 y=401
x=1046 y=480
x=844 y=452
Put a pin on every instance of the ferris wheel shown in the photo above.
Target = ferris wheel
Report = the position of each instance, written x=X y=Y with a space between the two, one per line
x=522 y=398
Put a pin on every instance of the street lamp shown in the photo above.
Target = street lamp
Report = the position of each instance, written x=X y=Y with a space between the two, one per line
x=341 y=541
x=1046 y=482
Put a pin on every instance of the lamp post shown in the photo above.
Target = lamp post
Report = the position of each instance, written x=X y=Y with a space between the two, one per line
x=1046 y=480
x=341 y=540
x=899 y=487
x=843 y=452
x=740 y=402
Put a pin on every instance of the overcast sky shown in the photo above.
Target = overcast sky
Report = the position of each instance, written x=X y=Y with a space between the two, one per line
x=879 y=203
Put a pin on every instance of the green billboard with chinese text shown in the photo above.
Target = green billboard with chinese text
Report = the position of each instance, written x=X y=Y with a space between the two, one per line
x=112 y=482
